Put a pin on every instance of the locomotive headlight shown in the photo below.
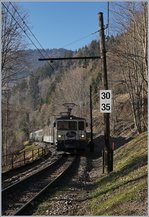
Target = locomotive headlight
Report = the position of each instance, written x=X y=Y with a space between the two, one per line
x=82 y=136
x=59 y=136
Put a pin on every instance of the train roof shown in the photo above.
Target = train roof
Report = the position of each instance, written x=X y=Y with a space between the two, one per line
x=71 y=117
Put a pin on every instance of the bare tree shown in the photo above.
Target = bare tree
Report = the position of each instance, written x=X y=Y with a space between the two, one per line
x=73 y=88
x=12 y=65
x=12 y=43
x=131 y=54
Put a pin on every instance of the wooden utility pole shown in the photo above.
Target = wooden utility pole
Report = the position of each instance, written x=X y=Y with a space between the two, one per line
x=108 y=154
x=91 y=121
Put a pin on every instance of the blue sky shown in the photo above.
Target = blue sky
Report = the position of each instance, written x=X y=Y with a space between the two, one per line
x=57 y=24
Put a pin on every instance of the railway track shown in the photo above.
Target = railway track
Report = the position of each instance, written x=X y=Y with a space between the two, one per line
x=19 y=198
x=20 y=173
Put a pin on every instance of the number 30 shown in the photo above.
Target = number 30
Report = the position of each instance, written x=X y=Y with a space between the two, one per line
x=105 y=95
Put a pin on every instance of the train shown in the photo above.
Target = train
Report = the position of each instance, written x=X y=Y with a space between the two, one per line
x=67 y=132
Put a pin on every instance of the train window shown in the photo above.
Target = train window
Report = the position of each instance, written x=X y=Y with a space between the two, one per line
x=72 y=125
x=67 y=125
x=62 y=125
x=81 y=125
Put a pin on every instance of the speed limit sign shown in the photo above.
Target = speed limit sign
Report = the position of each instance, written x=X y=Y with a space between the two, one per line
x=105 y=101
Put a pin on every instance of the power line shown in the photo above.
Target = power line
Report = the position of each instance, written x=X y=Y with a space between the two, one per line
x=80 y=39
x=77 y=40
x=30 y=31
x=27 y=26
x=35 y=36
x=24 y=31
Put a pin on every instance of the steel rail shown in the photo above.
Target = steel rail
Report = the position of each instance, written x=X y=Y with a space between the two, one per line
x=20 y=186
x=17 y=198
x=21 y=169
x=29 y=205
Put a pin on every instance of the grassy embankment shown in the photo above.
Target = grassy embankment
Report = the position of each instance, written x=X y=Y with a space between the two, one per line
x=124 y=191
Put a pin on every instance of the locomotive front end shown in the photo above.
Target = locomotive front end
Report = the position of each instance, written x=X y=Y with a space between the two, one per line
x=71 y=134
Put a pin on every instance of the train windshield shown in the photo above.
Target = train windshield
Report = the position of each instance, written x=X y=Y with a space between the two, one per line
x=81 y=125
x=67 y=125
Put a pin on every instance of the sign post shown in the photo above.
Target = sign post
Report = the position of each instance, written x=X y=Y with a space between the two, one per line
x=105 y=96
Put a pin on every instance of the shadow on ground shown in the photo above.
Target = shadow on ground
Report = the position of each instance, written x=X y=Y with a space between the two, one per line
x=99 y=144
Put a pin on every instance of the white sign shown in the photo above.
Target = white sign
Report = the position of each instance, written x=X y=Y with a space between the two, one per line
x=105 y=101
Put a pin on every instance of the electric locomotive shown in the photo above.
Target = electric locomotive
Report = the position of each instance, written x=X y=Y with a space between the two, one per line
x=70 y=133
x=67 y=132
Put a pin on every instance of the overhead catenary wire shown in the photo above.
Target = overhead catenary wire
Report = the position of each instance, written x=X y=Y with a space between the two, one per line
x=77 y=40
x=80 y=39
x=26 y=33
x=27 y=26
x=36 y=37
x=38 y=40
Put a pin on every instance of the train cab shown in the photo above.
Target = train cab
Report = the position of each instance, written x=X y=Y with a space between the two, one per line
x=70 y=133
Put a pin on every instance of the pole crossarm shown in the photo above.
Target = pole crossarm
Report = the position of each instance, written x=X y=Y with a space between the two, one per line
x=69 y=58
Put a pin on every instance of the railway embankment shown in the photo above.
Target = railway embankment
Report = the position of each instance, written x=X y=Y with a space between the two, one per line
x=122 y=192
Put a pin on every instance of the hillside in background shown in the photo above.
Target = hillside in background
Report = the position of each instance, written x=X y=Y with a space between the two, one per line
x=43 y=93
x=35 y=100
x=31 y=58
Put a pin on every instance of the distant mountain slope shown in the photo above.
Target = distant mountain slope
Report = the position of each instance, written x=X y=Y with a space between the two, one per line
x=32 y=63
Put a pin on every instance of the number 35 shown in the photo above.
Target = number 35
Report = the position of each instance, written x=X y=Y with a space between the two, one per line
x=105 y=107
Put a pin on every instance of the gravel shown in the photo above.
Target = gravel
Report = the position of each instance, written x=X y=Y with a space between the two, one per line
x=70 y=199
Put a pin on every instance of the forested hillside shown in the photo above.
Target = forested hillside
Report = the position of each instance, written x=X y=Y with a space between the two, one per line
x=34 y=100
x=32 y=56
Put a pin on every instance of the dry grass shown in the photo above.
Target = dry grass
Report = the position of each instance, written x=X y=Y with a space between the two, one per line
x=124 y=191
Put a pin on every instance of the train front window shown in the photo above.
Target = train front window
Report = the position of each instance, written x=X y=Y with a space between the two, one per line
x=67 y=125
x=62 y=125
x=72 y=125
x=81 y=125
